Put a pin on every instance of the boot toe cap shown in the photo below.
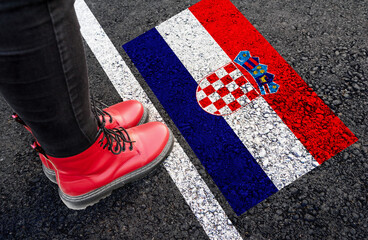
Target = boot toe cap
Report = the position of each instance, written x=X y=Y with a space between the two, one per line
x=127 y=113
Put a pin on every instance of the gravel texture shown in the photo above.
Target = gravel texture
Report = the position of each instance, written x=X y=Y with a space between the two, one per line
x=325 y=42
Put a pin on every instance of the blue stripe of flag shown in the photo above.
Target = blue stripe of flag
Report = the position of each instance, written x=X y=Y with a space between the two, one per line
x=241 y=180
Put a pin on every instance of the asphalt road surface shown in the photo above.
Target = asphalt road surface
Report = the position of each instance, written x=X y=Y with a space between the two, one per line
x=324 y=41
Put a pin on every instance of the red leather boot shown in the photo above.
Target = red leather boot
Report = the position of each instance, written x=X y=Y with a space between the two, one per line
x=125 y=114
x=117 y=157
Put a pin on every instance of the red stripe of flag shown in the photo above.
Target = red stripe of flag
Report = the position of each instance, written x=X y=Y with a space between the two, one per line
x=253 y=61
x=248 y=65
x=307 y=116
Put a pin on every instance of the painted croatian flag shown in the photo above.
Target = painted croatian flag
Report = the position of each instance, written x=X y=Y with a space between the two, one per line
x=254 y=124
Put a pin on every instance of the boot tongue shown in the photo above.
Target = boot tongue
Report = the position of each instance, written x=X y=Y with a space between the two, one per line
x=118 y=119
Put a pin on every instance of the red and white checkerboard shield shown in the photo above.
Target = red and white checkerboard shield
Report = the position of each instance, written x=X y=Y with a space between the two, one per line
x=225 y=91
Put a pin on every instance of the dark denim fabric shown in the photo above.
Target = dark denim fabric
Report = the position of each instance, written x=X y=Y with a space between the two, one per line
x=43 y=73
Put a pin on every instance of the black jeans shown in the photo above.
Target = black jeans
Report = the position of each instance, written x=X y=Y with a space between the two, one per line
x=43 y=73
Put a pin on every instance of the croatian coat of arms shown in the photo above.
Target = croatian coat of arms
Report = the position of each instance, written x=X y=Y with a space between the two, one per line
x=226 y=90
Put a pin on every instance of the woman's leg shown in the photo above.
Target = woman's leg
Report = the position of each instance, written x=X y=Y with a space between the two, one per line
x=43 y=76
x=43 y=73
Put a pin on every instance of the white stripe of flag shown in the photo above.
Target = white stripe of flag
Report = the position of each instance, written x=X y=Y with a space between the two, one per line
x=280 y=154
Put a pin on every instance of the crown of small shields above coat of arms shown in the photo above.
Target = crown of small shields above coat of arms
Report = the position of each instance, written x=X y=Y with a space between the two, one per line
x=226 y=90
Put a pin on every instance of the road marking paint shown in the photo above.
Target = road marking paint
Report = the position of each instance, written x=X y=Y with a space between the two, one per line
x=287 y=133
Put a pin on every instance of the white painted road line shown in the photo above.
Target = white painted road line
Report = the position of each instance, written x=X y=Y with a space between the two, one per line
x=194 y=190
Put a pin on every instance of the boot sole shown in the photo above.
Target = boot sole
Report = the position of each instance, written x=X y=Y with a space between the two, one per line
x=82 y=201
x=50 y=174
x=144 y=117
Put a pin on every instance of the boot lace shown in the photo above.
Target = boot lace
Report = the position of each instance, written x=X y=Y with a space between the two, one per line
x=117 y=136
x=18 y=119
x=100 y=111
